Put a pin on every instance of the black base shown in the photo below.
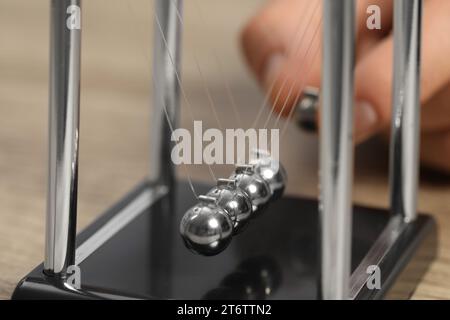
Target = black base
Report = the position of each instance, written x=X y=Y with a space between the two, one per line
x=275 y=258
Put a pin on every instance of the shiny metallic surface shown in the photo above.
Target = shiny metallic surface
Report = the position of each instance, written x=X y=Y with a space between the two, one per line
x=336 y=147
x=376 y=254
x=254 y=186
x=306 y=109
x=272 y=171
x=405 y=139
x=65 y=52
x=234 y=201
x=166 y=88
x=206 y=228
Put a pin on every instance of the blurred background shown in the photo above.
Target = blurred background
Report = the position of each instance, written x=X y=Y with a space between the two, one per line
x=116 y=111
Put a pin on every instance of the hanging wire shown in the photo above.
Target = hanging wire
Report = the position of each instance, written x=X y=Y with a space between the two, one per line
x=291 y=112
x=285 y=80
x=291 y=89
x=179 y=82
x=291 y=51
x=185 y=166
x=204 y=82
x=221 y=71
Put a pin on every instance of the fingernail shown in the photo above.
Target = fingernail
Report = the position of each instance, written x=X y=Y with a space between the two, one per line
x=366 y=120
x=272 y=69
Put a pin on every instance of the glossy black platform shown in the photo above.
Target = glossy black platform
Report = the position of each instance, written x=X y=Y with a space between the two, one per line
x=275 y=258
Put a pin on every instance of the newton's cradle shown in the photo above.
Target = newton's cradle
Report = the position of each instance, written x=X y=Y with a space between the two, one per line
x=160 y=242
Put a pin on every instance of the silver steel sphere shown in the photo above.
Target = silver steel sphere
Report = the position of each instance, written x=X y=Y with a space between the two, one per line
x=254 y=186
x=206 y=229
x=235 y=202
x=273 y=172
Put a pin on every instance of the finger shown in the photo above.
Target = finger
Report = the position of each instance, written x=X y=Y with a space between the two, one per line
x=373 y=75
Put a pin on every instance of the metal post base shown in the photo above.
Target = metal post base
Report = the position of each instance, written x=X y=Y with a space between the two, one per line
x=134 y=251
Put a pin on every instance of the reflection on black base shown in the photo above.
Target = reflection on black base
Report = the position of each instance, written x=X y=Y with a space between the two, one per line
x=254 y=279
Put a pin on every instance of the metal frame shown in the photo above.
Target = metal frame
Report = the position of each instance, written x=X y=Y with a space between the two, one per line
x=336 y=137
x=64 y=121
x=405 y=140
x=166 y=94
x=336 y=147
x=337 y=143
x=65 y=55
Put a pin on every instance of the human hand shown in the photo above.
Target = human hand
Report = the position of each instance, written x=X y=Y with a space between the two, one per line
x=282 y=45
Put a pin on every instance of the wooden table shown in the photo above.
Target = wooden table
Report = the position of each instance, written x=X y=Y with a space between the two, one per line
x=115 y=114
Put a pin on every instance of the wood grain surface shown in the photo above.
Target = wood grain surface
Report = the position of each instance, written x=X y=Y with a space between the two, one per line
x=115 y=114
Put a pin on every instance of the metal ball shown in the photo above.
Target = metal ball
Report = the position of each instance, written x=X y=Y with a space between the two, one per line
x=272 y=171
x=254 y=187
x=235 y=202
x=206 y=229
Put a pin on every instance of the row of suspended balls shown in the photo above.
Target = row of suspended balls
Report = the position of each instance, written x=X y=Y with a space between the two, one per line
x=208 y=227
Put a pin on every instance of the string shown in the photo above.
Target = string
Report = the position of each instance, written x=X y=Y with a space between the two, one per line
x=273 y=83
x=204 y=82
x=208 y=94
x=298 y=94
x=221 y=71
x=285 y=80
x=291 y=51
x=304 y=78
x=229 y=92
x=291 y=112
x=315 y=8
x=179 y=82
x=184 y=96
x=185 y=166
x=186 y=171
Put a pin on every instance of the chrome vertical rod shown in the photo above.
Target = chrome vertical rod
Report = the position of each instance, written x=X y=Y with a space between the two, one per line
x=166 y=66
x=65 y=51
x=405 y=137
x=336 y=147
